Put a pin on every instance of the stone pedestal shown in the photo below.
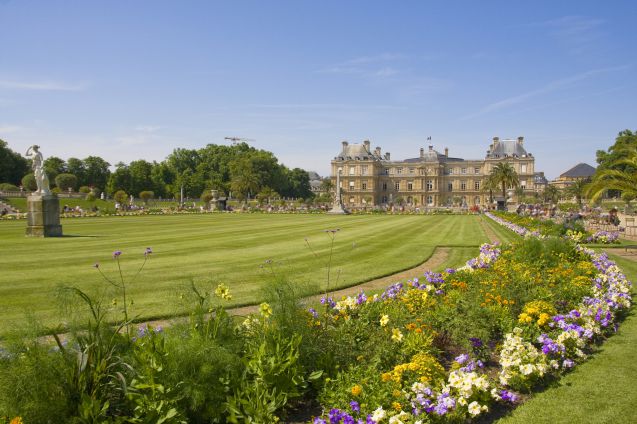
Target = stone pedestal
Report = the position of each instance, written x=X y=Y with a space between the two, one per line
x=43 y=216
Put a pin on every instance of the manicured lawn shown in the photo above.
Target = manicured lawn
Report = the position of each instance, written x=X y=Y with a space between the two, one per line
x=601 y=390
x=228 y=248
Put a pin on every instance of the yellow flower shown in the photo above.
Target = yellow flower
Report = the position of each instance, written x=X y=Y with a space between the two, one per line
x=396 y=335
x=385 y=376
x=384 y=320
x=16 y=420
x=357 y=390
x=223 y=292
x=397 y=393
x=396 y=406
x=265 y=310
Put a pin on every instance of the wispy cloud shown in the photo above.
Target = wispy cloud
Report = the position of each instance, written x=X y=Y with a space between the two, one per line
x=377 y=66
x=576 y=33
x=6 y=129
x=42 y=85
x=328 y=106
x=546 y=89
x=147 y=128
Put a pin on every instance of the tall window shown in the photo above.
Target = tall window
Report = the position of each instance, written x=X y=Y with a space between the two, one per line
x=397 y=186
x=351 y=185
x=476 y=185
x=399 y=171
x=463 y=185
x=464 y=170
x=523 y=168
x=410 y=186
x=364 y=185
x=352 y=170
x=430 y=185
x=384 y=186
x=430 y=200
x=449 y=186
x=363 y=169
x=412 y=170
x=476 y=170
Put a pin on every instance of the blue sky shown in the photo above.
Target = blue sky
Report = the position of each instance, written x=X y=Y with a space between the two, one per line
x=126 y=80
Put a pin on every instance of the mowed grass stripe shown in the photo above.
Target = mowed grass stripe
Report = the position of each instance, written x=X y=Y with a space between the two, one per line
x=229 y=248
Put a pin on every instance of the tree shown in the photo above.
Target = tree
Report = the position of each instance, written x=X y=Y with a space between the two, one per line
x=66 y=182
x=578 y=189
x=140 y=172
x=118 y=180
x=299 y=181
x=96 y=172
x=551 y=194
x=505 y=176
x=490 y=184
x=266 y=195
x=611 y=159
x=53 y=166
x=12 y=165
x=244 y=178
x=620 y=175
x=76 y=167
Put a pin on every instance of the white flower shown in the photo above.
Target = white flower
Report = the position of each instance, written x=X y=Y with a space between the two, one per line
x=526 y=369
x=474 y=408
x=378 y=414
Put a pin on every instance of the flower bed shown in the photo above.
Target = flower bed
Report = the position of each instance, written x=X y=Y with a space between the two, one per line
x=465 y=340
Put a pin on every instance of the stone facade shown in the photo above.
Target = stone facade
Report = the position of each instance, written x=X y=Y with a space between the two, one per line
x=43 y=216
x=370 y=178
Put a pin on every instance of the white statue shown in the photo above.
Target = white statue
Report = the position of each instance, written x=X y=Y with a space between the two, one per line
x=41 y=179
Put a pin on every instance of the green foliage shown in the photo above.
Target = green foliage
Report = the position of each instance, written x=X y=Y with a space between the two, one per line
x=28 y=182
x=120 y=197
x=66 y=181
x=505 y=176
x=85 y=189
x=146 y=196
x=12 y=165
x=9 y=187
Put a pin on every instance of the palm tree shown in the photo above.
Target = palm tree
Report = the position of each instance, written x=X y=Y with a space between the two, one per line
x=505 y=176
x=615 y=179
x=489 y=185
x=578 y=190
x=551 y=194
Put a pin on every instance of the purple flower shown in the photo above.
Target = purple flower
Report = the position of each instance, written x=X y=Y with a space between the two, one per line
x=319 y=420
x=476 y=342
x=355 y=406
x=313 y=312
x=116 y=254
x=461 y=359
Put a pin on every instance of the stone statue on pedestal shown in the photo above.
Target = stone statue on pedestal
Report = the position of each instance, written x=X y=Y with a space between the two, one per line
x=41 y=179
x=43 y=207
x=337 y=207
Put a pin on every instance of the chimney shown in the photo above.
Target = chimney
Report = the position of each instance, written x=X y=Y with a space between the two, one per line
x=366 y=143
x=496 y=140
x=377 y=151
x=422 y=152
x=387 y=156
x=446 y=151
x=520 y=140
x=431 y=148
x=344 y=144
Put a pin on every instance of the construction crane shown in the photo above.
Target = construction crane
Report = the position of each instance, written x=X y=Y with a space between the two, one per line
x=236 y=140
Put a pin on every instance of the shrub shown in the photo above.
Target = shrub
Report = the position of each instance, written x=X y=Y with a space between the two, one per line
x=146 y=196
x=120 y=197
x=85 y=189
x=66 y=181
x=28 y=182
x=8 y=187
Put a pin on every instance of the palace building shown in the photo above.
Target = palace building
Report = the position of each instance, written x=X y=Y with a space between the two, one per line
x=370 y=178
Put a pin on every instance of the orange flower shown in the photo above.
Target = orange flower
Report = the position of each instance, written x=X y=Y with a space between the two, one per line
x=357 y=390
